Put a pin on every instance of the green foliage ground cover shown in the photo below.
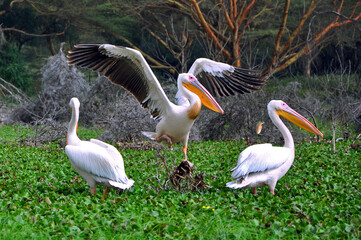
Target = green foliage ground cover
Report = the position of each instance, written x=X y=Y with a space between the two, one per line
x=320 y=196
x=14 y=69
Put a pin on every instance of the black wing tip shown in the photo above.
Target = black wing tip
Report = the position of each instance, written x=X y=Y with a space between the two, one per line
x=253 y=76
x=246 y=69
x=73 y=56
x=83 y=47
x=87 y=45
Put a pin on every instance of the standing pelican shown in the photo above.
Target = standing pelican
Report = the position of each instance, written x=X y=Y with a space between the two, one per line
x=263 y=164
x=128 y=68
x=96 y=161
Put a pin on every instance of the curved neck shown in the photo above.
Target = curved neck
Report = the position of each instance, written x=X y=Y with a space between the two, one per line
x=192 y=97
x=72 y=138
x=283 y=129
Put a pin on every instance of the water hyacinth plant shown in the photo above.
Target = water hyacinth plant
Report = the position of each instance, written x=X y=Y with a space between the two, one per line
x=318 y=198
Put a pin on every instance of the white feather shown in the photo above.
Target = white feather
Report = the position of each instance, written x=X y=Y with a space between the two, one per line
x=128 y=68
x=115 y=155
x=156 y=94
x=257 y=158
x=181 y=100
x=150 y=135
x=96 y=161
x=217 y=69
x=264 y=164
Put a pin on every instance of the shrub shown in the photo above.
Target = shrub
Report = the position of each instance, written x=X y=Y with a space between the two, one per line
x=60 y=83
x=12 y=67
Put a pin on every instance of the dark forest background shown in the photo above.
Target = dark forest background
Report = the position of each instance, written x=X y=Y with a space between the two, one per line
x=308 y=50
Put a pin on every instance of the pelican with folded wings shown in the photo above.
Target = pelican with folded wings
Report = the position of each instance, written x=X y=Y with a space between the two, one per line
x=99 y=163
x=263 y=164
x=128 y=68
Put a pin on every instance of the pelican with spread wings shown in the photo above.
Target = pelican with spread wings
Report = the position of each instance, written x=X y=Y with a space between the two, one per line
x=206 y=78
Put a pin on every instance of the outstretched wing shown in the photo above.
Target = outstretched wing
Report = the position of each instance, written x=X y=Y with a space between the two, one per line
x=127 y=68
x=222 y=79
x=259 y=158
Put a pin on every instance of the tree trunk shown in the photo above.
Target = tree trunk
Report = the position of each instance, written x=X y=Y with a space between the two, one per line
x=307 y=66
x=51 y=45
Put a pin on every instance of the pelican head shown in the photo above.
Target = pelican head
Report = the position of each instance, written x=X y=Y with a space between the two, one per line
x=190 y=82
x=282 y=109
x=74 y=103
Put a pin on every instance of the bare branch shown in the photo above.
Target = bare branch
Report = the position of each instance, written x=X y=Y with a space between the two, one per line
x=15 y=1
x=208 y=30
x=280 y=33
x=147 y=56
x=245 y=12
x=312 y=43
x=34 y=34
x=2 y=37
x=228 y=19
x=300 y=25
x=14 y=92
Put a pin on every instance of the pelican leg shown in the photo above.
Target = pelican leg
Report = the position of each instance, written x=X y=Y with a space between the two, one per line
x=185 y=161
x=92 y=190
x=272 y=191
x=76 y=179
x=105 y=193
x=166 y=138
x=254 y=191
x=185 y=152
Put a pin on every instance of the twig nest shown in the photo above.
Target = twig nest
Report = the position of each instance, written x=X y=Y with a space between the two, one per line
x=182 y=171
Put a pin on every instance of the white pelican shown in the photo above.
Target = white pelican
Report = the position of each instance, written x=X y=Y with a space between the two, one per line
x=263 y=164
x=128 y=68
x=96 y=161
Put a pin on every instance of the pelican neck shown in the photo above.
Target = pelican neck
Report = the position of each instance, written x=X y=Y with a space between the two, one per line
x=72 y=137
x=286 y=134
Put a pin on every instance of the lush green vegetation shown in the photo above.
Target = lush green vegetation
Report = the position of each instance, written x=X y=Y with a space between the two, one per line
x=16 y=73
x=319 y=197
